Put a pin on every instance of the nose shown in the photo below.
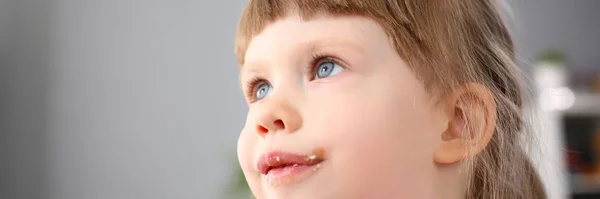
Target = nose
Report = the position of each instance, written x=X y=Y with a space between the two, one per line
x=277 y=115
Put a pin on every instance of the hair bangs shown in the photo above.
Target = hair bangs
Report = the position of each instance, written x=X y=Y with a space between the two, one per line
x=260 y=13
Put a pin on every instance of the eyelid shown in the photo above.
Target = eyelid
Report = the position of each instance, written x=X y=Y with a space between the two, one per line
x=332 y=58
x=251 y=87
x=319 y=58
x=252 y=84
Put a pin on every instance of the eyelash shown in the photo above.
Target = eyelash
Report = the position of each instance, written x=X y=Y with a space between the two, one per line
x=317 y=58
x=251 y=88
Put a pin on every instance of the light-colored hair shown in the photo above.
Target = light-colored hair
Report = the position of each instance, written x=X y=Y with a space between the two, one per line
x=446 y=43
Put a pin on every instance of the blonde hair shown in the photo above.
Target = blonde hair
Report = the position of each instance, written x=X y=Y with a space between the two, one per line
x=446 y=43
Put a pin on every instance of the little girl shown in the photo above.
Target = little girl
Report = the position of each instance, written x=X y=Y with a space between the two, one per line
x=381 y=99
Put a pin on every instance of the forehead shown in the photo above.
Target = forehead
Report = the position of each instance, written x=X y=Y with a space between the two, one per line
x=291 y=34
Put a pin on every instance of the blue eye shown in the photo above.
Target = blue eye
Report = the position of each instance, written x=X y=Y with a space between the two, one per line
x=328 y=69
x=262 y=90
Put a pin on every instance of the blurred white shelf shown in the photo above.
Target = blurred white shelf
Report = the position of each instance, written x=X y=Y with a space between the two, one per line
x=586 y=104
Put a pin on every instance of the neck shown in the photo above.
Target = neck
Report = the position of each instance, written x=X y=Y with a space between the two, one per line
x=451 y=183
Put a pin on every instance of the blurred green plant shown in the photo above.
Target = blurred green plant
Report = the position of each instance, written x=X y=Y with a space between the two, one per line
x=554 y=56
x=238 y=187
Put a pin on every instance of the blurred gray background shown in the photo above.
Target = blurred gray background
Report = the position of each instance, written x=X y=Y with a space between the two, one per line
x=129 y=99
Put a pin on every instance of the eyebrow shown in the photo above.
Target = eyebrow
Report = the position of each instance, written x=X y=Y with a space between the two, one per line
x=335 y=43
x=307 y=47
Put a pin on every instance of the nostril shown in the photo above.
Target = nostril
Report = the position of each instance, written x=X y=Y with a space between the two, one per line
x=279 y=124
x=261 y=129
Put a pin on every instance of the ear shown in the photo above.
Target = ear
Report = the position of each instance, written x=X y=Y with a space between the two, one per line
x=469 y=121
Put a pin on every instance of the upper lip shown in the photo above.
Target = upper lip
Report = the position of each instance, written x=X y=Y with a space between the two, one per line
x=275 y=159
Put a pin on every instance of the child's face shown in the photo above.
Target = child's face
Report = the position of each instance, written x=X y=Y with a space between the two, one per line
x=365 y=117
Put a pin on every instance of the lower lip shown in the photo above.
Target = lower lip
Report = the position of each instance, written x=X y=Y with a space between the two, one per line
x=291 y=174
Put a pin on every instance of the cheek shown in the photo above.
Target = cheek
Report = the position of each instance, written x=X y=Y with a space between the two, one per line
x=380 y=140
x=391 y=150
x=245 y=150
x=246 y=144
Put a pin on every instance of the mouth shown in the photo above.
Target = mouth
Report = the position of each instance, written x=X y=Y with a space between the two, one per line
x=285 y=168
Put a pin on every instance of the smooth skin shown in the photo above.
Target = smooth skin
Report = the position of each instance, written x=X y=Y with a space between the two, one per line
x=383 y=134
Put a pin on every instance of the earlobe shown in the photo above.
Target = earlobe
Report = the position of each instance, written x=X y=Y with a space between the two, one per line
x=470 y=112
